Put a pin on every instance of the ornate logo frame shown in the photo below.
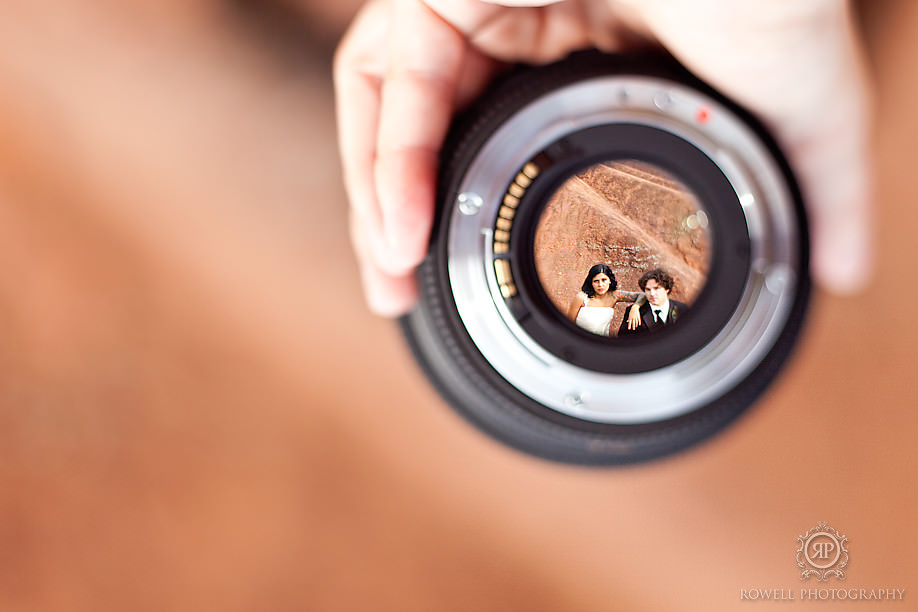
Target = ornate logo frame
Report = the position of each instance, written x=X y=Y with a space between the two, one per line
x=837 y=553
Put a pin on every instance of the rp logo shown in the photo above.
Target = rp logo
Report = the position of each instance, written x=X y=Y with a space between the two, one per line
x=822 y=553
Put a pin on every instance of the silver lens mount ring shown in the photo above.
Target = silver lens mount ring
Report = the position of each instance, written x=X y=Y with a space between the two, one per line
x=634 y=398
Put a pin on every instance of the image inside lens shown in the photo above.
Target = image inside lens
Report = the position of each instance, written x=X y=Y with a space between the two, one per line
x=617 y=231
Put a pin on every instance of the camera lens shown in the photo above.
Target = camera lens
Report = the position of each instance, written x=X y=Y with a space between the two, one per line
x=574 y=195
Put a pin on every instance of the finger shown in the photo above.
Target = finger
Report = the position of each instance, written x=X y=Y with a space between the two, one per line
x=833 y=160
x=522 y=2
x=478 y=70
x=359 y=68
x=418 y=99
x=836 y=188
x=386 y=294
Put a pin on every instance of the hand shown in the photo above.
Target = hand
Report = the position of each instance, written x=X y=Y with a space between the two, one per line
x=634 y=318
x=405 y=66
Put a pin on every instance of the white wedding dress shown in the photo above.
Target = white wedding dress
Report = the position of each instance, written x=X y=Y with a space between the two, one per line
x=595 y=319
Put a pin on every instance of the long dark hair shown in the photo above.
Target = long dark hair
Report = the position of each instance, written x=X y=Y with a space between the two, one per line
x=598 y=269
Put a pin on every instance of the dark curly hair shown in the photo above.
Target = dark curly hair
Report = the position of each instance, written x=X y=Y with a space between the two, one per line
x=661 y=276
x=598 y=269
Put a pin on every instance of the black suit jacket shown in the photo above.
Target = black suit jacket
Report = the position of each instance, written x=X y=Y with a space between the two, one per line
x=676 y=310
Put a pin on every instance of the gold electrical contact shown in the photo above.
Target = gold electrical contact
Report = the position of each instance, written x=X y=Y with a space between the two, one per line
x=504 y=278
x=507 y=212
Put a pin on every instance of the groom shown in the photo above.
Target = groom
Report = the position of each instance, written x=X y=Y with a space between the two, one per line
x=658 y=311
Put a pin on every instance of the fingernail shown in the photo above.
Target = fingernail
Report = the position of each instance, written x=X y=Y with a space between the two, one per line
x=389 y=296
x=400 y=254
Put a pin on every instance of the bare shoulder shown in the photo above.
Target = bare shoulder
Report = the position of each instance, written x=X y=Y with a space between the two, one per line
x=578 y=302
x=580 y=299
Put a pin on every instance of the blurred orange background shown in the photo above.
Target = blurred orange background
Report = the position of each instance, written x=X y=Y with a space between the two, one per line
x=198 y=413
